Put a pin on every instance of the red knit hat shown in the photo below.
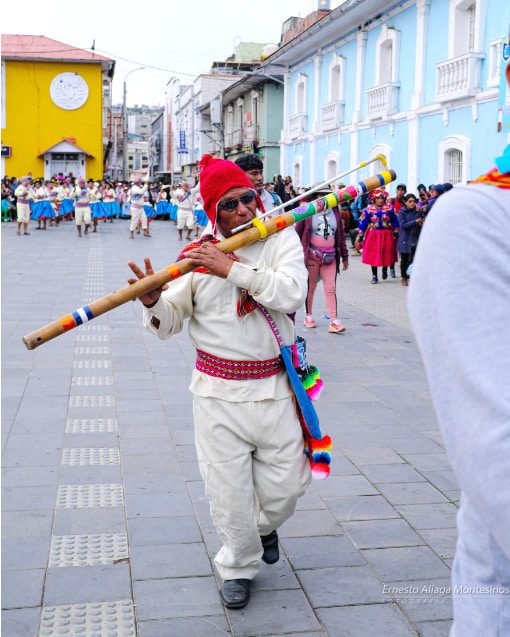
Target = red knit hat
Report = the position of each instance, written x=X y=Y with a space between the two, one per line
x=217 y=177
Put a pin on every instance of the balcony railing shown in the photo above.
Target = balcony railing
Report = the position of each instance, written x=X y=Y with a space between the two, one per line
x=237 y=137
x=458 y=77
x=297 y=124
x=332 y=115
x=383 y=100
x=251 y=134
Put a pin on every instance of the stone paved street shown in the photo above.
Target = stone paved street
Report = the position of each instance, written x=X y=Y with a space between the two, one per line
x=106 y=530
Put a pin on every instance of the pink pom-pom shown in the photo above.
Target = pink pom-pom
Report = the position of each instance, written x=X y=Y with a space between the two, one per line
x=319 y=470
x=315 y=391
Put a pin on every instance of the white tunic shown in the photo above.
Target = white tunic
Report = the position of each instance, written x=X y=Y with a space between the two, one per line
x=274 y=273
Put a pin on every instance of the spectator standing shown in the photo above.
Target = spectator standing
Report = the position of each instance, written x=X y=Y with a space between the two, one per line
x=323 y=240
x=410 y=220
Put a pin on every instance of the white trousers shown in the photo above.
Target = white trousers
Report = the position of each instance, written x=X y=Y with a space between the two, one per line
x=252 y=461
x=23 y=212
x=137 y=214
x=185 y=218
x=82 y=214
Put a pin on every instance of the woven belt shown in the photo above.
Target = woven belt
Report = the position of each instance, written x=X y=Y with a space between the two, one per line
x=237 y=370
x=83 y=205
x=23 y=200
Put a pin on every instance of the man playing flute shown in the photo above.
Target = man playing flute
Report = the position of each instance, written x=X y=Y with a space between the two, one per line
x=248 y=437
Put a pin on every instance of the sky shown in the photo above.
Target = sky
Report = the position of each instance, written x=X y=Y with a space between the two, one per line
x=182 y=38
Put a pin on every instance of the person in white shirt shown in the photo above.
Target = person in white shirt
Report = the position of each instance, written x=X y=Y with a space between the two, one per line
x=23 y=194
x=248 y=436
x=136 y=195
x=185 y=210
x=82 y=212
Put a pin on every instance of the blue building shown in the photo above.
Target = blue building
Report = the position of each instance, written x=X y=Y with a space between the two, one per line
x=417 y=80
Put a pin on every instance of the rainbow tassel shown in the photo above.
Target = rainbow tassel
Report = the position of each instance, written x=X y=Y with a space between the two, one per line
x=320 y=456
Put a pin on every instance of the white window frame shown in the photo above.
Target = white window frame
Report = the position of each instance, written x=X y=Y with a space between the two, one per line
x=388 y=34
x=457 y=142
x=337 y=61
x=377 y=166
x=454 y=32
x=297 y=163
x=302 y=80
x=334 y=155
x=494 y=63
x=255 y=99
x=230 y=120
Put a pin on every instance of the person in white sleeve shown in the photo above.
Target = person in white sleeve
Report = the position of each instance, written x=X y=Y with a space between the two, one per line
x=82 y=212
x=23 y=194
x=248 y=437
x=136 y=193
x=185 y=210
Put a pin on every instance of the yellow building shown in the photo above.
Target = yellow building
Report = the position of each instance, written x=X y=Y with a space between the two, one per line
x=55 y=104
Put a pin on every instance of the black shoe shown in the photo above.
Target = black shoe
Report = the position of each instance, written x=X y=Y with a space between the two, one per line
x=374 y=280
x=384 y=274
x=235 y=593
x=392 y=273
x=270 y=545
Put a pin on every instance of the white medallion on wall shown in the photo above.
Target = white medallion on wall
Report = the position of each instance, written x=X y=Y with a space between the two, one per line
x=69 y=91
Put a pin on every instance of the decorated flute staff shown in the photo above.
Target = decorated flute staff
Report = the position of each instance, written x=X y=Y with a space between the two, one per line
x=321 y=186
x=258 y=231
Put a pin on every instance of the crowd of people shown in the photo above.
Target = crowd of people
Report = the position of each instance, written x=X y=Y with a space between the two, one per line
x=66 y=198
x=380 y=228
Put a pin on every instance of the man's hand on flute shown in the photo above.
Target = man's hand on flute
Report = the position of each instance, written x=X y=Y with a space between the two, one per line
x=151 y=298
x=208 y=256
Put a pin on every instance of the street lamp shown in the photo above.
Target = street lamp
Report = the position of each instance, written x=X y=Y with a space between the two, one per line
x=168 y=126
x=125 y=126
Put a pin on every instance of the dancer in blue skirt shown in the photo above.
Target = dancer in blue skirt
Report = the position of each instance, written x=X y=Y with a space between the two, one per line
x=41 y=206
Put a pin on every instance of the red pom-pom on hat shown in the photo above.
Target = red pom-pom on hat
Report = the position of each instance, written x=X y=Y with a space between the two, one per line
x=217 y=177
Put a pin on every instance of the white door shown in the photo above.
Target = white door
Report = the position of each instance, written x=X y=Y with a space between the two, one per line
x=64 y=163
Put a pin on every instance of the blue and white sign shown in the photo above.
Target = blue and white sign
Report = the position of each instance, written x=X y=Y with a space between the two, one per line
x=182 y=150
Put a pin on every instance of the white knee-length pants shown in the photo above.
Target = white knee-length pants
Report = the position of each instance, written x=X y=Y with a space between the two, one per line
x=137 y=214
x=252 y=461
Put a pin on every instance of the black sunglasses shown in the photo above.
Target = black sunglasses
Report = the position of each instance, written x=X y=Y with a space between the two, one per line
x=231 y=204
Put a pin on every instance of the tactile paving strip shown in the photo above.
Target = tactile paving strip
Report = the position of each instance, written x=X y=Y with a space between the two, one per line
x=87 y=456
x=92 y=364
x=106 y=619
x=92 y=401
x=93 y=338
x=92 y=381
x=91 y=425
x=85 y=496
x=87 y=550
x=92 y=350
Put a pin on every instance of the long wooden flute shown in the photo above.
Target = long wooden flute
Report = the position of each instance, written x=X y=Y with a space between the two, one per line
x=259 y=231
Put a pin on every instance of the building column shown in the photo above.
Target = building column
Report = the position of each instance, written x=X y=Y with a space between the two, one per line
x=286 y=115
x=361 y=46
x=316 y=128
x=422 y=19
x=417 y=98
